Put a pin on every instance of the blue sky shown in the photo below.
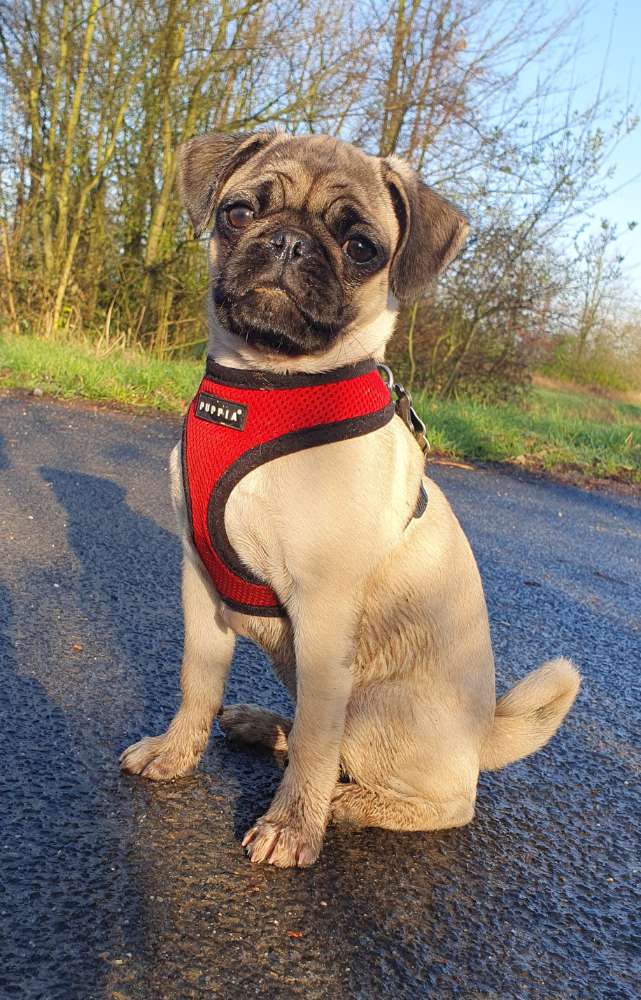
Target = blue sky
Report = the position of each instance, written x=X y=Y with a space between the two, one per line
x=622 y=74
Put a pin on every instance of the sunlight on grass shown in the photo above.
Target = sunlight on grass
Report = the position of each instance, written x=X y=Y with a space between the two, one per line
x=70 y=371
x=552 y=431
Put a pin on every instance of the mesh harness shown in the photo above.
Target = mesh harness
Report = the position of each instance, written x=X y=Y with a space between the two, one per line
x=238 y=420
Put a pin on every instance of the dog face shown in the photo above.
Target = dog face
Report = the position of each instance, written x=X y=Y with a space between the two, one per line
x=312 y=238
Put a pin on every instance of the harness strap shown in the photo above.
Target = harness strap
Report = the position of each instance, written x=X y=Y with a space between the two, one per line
x=421 y=502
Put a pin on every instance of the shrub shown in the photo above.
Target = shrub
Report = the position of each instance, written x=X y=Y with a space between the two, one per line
x=599 y=367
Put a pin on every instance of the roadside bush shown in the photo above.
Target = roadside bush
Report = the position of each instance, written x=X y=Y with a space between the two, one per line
x=494 y=367
x=600 y=367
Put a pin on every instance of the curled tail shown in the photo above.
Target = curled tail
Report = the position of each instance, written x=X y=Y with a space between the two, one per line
x=530 y=713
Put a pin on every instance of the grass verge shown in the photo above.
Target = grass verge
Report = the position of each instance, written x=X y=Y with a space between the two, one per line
x=572 y=434
x=580 y=437
x=71 y=371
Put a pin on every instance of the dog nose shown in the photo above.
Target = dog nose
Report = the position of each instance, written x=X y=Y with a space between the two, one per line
x=288 y=244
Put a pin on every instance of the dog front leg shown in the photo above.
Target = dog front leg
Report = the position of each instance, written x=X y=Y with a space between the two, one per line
x=208 y=649
x=291 y=831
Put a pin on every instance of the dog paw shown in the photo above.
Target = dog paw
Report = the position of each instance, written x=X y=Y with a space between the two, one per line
x=159 y=759
x=281 y=844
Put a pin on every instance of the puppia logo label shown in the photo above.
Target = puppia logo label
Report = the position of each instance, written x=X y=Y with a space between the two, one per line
x=220 y=411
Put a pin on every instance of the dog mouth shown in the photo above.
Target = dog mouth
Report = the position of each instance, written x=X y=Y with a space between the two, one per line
x=271 y=317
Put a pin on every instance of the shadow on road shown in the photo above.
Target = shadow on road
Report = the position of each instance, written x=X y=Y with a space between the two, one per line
x=4 y=457
x=129 y=578
x=58 y=913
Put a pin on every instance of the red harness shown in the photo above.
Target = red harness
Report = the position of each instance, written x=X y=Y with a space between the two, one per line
x=240 y=419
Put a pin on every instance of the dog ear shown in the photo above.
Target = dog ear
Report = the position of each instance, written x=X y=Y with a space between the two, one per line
x=206 y=162
x=432 y=230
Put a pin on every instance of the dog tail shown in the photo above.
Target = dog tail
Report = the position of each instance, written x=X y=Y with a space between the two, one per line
x=530 y=713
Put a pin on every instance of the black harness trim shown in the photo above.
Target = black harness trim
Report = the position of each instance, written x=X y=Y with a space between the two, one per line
x=183 y=462
x=252 y=378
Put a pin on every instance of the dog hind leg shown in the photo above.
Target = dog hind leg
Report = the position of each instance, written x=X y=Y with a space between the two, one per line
x=255 y=725
x=360 y=806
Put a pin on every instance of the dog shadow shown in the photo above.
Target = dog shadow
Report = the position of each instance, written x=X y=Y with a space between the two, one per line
x=130 y=571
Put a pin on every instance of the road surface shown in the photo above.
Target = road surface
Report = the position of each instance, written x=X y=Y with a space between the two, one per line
x=113 y=887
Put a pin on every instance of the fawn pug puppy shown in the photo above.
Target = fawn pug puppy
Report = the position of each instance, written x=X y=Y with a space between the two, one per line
x=373 y=616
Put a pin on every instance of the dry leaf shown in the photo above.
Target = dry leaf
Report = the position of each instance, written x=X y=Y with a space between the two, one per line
x=454 y=465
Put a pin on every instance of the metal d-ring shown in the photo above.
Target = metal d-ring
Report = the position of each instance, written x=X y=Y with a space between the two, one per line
x=387 y=376
x=404 y=408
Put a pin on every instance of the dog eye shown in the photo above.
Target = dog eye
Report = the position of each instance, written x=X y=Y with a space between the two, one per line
x=360 y=250
x=239 y=216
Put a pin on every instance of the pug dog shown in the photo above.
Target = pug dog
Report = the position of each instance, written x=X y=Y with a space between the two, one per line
x=383 y=641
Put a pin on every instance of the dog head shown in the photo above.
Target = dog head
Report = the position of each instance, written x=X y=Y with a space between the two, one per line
x=314 y=242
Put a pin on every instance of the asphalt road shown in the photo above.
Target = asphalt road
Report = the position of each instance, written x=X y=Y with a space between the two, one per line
x=113 y=887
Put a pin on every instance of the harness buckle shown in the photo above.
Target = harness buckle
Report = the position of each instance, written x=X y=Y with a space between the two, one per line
x=404 y=408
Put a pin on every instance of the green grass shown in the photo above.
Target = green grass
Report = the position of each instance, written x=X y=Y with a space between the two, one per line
x=71 y=371
x=559 y=431
x=554 y=430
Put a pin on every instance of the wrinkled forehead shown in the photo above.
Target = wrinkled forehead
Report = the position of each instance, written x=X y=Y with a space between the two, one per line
x=312 y=172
